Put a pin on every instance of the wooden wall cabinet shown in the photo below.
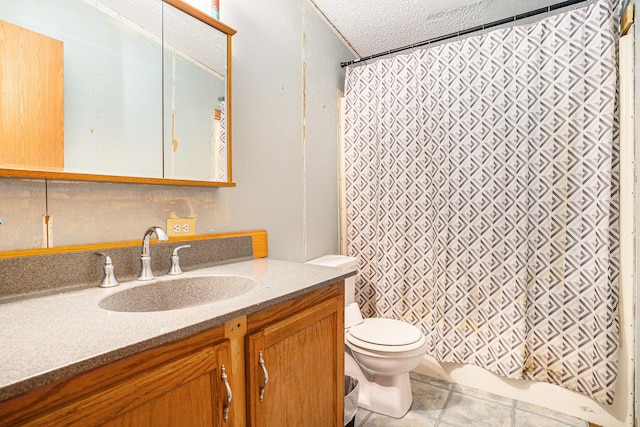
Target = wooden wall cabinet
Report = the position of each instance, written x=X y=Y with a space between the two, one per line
x=97 y=123
x=32 y=99
x=182 y=383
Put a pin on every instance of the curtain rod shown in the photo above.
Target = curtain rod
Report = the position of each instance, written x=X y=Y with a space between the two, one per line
x=468 y=31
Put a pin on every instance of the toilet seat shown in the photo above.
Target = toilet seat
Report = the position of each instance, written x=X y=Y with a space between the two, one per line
x=385 y=335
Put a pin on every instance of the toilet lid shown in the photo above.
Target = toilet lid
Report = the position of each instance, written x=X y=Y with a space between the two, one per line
x=386 y=332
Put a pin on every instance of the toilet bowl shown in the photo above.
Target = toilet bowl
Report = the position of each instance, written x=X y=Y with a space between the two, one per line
x=378 y=352
x=384 y=352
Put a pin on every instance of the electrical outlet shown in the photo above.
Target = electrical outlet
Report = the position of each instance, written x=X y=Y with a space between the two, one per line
x=181 y=227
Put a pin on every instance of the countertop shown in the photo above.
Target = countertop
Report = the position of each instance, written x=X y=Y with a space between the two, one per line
x=49 y=338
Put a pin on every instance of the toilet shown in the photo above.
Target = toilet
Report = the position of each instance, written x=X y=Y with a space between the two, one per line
x=378 y=352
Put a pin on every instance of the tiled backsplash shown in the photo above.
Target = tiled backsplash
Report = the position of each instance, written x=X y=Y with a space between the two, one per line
x=29 y=276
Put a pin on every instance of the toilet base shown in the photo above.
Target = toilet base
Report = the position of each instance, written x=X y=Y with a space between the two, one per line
x=386 y=395
x=389 y=396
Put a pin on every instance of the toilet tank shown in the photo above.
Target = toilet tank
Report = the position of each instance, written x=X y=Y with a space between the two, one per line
x=341 y=261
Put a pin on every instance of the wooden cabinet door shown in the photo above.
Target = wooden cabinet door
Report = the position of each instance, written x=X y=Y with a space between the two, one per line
x=31 y=99
x=188 y=391
x=303 y=356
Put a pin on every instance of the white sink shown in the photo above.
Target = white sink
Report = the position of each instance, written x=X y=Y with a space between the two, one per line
x=177 y=293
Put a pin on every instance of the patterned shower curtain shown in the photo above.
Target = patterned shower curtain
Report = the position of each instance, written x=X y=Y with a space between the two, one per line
x=482 y=180
x=221 y=149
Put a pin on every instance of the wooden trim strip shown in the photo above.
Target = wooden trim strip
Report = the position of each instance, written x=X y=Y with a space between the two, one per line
x=259 y=240
x=235 y=330
x=71 y=176
x=627 y=20
x=201 y=16
x=229 y=112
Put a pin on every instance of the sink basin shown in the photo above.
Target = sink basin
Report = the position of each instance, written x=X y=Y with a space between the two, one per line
x=177 y=293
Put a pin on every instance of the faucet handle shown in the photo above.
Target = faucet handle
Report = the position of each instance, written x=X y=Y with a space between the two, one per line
x=175 y=261
x=109 y=279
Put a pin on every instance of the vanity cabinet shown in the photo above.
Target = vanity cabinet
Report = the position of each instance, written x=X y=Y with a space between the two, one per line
x=301 y=342
x=188 y=391
x=293 y=368
x=181 y=383
x=177 y=384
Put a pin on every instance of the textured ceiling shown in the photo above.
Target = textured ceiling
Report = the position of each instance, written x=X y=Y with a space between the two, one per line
x=190 y=37
x=373 y=26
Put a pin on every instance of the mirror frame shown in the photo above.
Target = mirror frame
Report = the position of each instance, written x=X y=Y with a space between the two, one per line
x=71 y=176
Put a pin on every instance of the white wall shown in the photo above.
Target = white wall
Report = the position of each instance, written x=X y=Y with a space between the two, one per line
x=275 y=122
x=321 y=165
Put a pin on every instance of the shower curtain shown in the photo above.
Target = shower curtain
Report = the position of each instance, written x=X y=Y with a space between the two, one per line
x=220 y=148
x=481 y=186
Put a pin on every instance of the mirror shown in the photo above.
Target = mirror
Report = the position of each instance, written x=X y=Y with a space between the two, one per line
x=194 y=98
x=115 y=90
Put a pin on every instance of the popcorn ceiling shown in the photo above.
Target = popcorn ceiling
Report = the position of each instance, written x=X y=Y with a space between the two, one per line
x=373 y=26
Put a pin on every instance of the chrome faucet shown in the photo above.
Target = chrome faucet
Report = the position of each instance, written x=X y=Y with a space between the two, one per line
x=145 y=256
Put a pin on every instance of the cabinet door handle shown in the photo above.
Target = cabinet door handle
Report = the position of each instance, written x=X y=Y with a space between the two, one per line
x=266 y=375
x=227 y=405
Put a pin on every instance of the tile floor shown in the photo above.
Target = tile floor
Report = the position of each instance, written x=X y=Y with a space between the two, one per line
x=441 y=404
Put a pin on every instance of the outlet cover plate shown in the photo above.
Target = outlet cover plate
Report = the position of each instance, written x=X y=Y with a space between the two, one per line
x=181 y=227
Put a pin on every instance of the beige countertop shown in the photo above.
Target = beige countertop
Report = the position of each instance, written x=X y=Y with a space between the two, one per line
x=49 y=338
